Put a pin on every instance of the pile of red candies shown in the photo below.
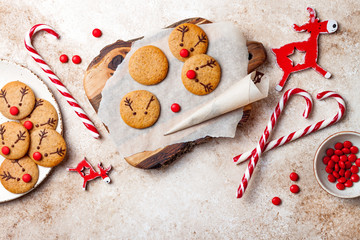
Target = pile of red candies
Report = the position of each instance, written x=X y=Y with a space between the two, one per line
x=342 y=164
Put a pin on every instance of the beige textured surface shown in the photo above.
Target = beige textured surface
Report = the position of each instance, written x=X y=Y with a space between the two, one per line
x=195 y=197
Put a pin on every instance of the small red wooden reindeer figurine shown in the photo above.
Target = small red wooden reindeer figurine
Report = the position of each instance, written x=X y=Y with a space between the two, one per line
x=93 y=174
x=309 y=47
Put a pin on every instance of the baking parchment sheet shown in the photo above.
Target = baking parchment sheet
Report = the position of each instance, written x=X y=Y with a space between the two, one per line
x=226 y=44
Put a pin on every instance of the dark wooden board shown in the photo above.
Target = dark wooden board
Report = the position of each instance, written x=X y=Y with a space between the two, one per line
x=102 y=68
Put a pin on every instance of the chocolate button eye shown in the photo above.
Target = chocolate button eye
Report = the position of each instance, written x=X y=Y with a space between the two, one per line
x=134 y=113
x=181 y=45
x=46 y=155
x=20 y=104
x=191 y=49
x=145 y=113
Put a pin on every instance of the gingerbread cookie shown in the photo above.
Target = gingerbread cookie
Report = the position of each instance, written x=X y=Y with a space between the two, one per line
x=44 y=115
x=187 y=40
x=148 y=65
x=47 y=147
x=201 y=74
x=140 y=109
x=19 y=175
x=17 y=100
x=15 y=140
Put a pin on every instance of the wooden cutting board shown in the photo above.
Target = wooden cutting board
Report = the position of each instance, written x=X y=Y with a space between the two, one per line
x=102 y=68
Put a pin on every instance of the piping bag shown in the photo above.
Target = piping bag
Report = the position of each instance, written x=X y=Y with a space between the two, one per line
x=248 y=90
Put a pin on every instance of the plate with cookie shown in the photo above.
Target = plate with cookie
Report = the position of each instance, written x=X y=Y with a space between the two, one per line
x=31 y=128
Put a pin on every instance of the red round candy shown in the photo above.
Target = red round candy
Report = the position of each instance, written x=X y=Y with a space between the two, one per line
x=354 y=178
x=335 y=158
x=276 y=201
x=331 y=178
x=294 y=176
x=76 y=59
x=331 y=164
x=28 y=125
x=348 y=183
x=348 y=174
x=191 y=74
x=336 y=174
x=347 y=144
x=342 y=172
x=342 y=180
x=354 y=169
x=328 y=170
x=26 y=178
x=348 y=165
x=343 y=158
x=340 y=186
x=5 y=150
x=357 y=162
x=338 y=146
x=294 y=188
x=337 y=168
x=175 y=107
x=330 y=152
x=96 y=33
x=352 y=157
x=354 y=149
x=345 y=150
x=37 y=156
x=184 y=53
x=64 y=58
x=326 y=159
x=14 y=111
x=338 y=152
x=341 y=164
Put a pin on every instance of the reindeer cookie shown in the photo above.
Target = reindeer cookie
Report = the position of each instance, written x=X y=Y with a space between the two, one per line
x=140 y=109
x=201 y=74
x=187 y=40
x=17 y=100
x=47 y=147
x=19 y=175
x=15 y=140
x=44 y=115
x=148 y=65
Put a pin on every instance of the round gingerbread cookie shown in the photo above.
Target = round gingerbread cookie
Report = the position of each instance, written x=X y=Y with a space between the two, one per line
x=140 y=109
x=19 y=175
x=14 y=140
x=201 y=74
x=187 y=40
x=17 y=100
x=44 y=115
x=148 y=65
x=47 y=147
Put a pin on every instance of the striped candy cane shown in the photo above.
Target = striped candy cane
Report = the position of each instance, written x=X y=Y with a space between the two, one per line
x=264 y=138
x=302 y=132
x=53 y=78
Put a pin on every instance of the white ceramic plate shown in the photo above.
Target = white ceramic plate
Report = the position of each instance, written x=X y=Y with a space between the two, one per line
x=319 y=166
x=12 y=72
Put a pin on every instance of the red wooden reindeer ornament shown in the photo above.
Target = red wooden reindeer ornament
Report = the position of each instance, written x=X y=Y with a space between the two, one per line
x=309 y=47
x=93 y=174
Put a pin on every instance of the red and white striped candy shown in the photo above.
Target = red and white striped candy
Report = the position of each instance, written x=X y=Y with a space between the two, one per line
x=264 y=138
x=53 y=78
x=302 y=132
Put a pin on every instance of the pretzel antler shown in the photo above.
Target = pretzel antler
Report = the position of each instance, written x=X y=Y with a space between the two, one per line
x=42 y=134
x=3 y=95
x=59 y=151
x=23 y=92
x=202 y=39
x=7 y=176
x=2 y=131
x=210 y=63
x=128 y=103
x=183 y=30
x=21 y=136
x=51 y=122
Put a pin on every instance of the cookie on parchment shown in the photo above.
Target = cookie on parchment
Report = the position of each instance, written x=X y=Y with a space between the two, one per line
x=44 y=115
x=19 y=175
x=14 y=140
x=201 y=74
x=17 y=100
x=148 y=65
x=47 y=147
x=140 y=109
x=187 y=40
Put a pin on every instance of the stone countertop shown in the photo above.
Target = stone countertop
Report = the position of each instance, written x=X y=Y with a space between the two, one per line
x=195 y=196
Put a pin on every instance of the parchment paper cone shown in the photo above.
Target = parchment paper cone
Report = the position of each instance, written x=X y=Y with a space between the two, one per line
x=248 y=90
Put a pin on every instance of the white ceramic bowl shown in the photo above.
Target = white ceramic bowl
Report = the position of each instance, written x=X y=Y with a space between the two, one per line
x=319 y=167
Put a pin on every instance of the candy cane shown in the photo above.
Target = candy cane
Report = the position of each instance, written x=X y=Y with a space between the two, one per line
x=264 y=138
x=302 y=132
x=53 y=78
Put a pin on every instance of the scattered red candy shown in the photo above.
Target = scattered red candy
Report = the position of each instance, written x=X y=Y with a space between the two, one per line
x=337 y=168
x=294 y=188
x=341 y=164
x=326 y=160
x=354 y=149
x=338 y=152
x=342 y=172
x=331 y=164
x=347 y=174
x=340 y=186
x=96 y=33
x=328 y=170
x=338 y=146
x=76 y=59
x=5 y=150
x=294 y=176
x=276 y=201
x=352 y=157
x=342 y=180
x=354 y=169
x=330 y=152
x=64 y=58
x=335 y=158
x=348 y=164
x=184 y=53
x=191 y=74
x=331 y=178
x=343 y=158
x=28 y=125
x=354 y=178
x=347 y=144
x=14 y=111
x=357 y=162
x=348 y=183
x=345 y=150
x=26 y=178
x=37 y=156
x=336 y=174
x=175 y=107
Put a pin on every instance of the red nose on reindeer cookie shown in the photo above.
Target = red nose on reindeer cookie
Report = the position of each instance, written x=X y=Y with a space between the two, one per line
x=309 y=47
x=17 y=100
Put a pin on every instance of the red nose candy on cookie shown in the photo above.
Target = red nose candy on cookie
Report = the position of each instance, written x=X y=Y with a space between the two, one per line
x=26 y=178
x=14 y=111
x=37 y=156
x=191 y=74
x=184 y=53
x=28 y=125
x=5 y=150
